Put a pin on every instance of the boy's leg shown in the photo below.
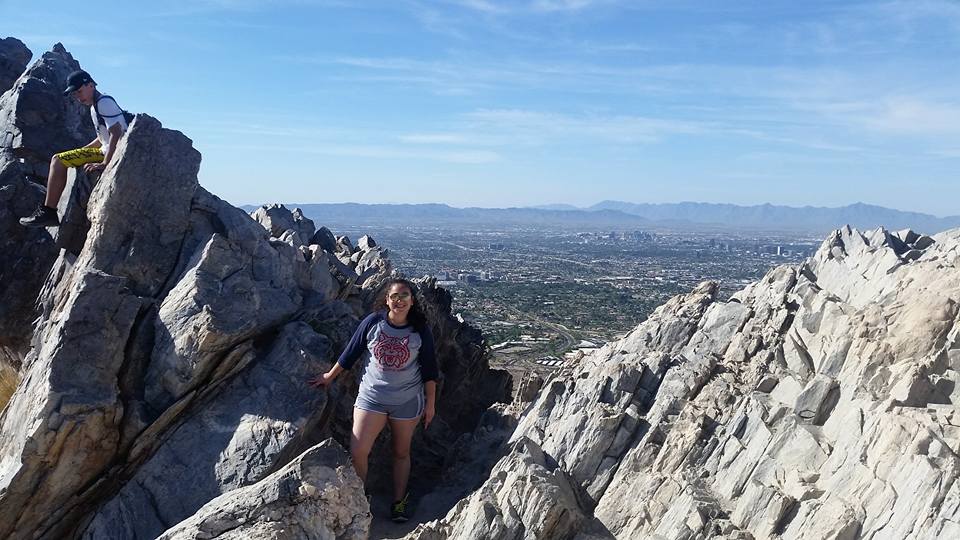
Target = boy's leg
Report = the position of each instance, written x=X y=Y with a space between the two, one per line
x=56 y=181
x=59 y=164
x=46 y=214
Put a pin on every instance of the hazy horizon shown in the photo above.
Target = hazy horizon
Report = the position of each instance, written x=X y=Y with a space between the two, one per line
x=495 y=103
x=585 y=206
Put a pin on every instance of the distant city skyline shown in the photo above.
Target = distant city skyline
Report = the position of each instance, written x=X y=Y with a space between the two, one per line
x=495 y=103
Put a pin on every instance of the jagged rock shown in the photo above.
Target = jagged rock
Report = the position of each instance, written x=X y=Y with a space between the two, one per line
x=25 y=257
x=529 y=387
x=461 y=351
x=103 y=291
x=225 y=297
x=907 y=236
x=72 y=209
x=316 y=496
x=325 y=239
x=14 y=56
x=36 y=120
x=372 y=263
x=239 y=436
x=527 y=496
x=344 y=246
x=366 y=243
x=305 y=225
x=277 y=220
x=586 y=422
x=291 y=238
x=923 y=243
x=819 y=402
x=121 y=241
x=61 y=430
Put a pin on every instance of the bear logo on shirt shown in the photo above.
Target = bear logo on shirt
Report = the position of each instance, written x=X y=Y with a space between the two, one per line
x=392 y=352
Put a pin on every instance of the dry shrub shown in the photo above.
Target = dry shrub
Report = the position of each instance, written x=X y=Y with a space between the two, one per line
x=8 y=383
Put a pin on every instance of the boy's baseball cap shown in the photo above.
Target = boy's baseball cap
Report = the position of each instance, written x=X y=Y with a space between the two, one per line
x=76 y=80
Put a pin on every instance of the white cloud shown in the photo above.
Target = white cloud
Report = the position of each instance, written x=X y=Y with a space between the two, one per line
x=914 y=116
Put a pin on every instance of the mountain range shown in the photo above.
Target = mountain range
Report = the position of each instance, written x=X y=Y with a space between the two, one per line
x=683 y=215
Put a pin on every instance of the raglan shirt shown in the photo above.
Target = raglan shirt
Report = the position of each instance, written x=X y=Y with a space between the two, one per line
x=112 y=114
x=396 y=360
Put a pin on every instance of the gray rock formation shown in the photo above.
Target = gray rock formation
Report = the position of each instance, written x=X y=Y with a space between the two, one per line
x=35 y=122
x=278 y=220
x=241 y=433
x=14 y=56
x=527 y=496
x=317 y=496
x=325 y=239
x=25 y=256
x=819 y=402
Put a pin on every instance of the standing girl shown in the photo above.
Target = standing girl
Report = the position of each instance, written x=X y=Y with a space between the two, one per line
x=399 y=383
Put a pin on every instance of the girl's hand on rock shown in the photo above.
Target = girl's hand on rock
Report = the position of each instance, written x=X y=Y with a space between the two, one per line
x=321 y=381
x=428 y=413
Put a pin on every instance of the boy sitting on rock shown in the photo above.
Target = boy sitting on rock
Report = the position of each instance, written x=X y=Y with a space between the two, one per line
x=111 y=123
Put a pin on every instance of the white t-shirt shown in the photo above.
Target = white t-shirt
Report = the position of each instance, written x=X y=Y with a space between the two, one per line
x=112 y=114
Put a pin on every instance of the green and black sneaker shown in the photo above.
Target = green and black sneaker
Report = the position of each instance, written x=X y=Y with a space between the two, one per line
x=398 y=510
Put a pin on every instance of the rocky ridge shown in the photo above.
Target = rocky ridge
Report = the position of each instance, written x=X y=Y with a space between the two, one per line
x=161 y=356
x=818 y=402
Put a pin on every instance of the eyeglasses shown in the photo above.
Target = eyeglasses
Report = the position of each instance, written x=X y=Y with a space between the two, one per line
x=399 y=296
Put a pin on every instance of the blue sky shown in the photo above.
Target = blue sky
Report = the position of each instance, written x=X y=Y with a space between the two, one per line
x=497 y=103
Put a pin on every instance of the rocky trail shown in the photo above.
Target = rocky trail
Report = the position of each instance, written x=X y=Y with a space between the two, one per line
x=154 y=351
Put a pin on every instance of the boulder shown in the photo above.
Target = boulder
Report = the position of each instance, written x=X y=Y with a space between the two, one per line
x=225 y=297
x=325 y=239
x=140 y=209
x=14 y=56
x=526 y=496
x=277 y=220
x=317 y=496
x=61 y=430
x=366 y=243
x=26 y=256
x=241 y=434
x=37 y=120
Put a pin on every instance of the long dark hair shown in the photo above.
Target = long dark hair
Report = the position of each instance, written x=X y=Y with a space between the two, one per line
x=415 y=317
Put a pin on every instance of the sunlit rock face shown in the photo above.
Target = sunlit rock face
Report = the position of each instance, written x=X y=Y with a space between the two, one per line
x=818 y=402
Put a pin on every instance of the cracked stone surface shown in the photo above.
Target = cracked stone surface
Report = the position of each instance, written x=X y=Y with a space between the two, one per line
x=818 y=402
x=316 y=496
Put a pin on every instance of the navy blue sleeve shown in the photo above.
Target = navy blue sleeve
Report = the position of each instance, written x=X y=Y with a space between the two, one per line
x=428 y=357
x=358 y=343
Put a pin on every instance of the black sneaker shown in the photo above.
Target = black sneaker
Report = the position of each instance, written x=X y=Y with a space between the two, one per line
x=43 y=216
x=398 y=510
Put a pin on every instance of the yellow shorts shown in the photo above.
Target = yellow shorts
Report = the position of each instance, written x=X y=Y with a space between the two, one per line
x=80 y=156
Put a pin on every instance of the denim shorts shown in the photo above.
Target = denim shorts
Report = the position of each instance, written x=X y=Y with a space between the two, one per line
x=406 y=411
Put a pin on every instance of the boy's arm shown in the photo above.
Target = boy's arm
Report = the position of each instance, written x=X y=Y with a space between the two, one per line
x=115 y=133
x=95 y=143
